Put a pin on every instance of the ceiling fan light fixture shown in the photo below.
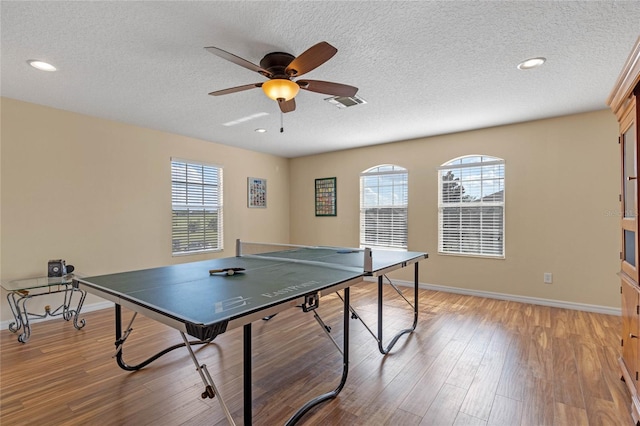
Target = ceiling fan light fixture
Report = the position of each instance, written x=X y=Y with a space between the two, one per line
x=280 y=88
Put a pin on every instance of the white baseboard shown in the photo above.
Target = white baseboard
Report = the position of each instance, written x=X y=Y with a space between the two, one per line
x=86 y=308
x=514 y=298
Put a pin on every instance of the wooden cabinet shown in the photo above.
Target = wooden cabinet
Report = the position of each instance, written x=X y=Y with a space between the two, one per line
x=624 y=100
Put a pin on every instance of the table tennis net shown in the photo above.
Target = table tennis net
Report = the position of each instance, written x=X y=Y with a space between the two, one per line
x=330 y=256
x=254 y=248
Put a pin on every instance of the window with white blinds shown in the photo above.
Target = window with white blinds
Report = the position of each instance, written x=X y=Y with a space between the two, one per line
x=471 y=206
x=383 y=207
x=196 y=203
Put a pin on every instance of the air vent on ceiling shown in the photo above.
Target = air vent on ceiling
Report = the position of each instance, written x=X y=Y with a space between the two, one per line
x=345 y=101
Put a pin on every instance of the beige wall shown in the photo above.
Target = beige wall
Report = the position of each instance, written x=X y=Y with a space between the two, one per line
x=97 y=193
x=561 y=190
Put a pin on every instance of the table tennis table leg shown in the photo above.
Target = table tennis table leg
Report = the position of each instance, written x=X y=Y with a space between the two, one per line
x=378 y=337
x=247 y=368
x=210 y=386
x=120 y=339
x=246 y=361
x=345 y=368
x=395 y=338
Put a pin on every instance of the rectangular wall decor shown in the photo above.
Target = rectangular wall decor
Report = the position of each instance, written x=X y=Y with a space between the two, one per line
x=326 y=197
x=257 y=192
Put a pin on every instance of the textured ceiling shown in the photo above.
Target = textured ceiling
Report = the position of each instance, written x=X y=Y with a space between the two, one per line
x=424 y=68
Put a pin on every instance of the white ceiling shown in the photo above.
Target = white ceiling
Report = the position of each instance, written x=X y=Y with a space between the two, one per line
x=424 y=68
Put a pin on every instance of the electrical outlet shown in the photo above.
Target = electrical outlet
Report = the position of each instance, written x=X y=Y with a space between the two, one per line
x=548 y=277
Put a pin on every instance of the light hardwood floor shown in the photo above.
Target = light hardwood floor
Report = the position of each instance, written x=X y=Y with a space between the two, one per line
x=471 y=361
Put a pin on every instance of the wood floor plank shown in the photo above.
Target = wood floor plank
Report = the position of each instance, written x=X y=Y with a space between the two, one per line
x=540 y=353
x=384 y=406
x=561 y=326
x=565 y=415
x=401 y=417
x=505 y=411
x=445 y=406
x=601 y=412
x=617 y=387
x=538 y=404
x=590 y=373
x=566 y=387
x=479 y=398
x=514 y=379
x=428 y=387
x=466 y=368
x=464 y=419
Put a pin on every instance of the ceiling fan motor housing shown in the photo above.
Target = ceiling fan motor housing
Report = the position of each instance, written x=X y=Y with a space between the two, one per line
x=276 y=63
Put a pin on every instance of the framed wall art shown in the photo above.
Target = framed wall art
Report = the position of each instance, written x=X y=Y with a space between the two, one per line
x=326 y=197
x=257 y=193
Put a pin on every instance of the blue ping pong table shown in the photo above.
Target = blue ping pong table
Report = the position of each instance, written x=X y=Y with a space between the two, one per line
x=200 y=302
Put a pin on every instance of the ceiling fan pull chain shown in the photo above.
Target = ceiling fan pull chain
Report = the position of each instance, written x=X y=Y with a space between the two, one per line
x=281 y=122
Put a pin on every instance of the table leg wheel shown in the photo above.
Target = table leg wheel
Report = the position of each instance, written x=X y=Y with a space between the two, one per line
x=79 y=324
x=208 y=393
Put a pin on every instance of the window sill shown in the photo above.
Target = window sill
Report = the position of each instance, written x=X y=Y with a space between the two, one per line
x=191 y=253
x=477 y=256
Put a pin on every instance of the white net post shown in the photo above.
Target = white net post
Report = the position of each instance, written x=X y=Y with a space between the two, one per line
x=368 y=260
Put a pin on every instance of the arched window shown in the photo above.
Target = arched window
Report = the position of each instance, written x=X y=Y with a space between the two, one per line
x=471 y=206
x=383 y=207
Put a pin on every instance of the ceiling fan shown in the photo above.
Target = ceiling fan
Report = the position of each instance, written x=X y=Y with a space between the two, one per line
x=280 y=68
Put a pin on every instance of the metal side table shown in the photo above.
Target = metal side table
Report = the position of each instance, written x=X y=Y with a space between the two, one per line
x=20 y=291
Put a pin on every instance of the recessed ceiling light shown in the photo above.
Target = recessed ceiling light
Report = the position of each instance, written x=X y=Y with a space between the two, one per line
x=43 y=66
x=531 y=63
x=261 y=130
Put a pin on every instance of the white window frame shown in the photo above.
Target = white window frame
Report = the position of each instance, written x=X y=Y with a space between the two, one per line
x=395 y=234
x=196 y=192
x=479 y=228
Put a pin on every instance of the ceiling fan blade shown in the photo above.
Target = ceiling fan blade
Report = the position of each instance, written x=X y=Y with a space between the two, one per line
x=327 y=87
x=235 y=89
x=238 y=61
x=287 y=106
x=311 y=58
